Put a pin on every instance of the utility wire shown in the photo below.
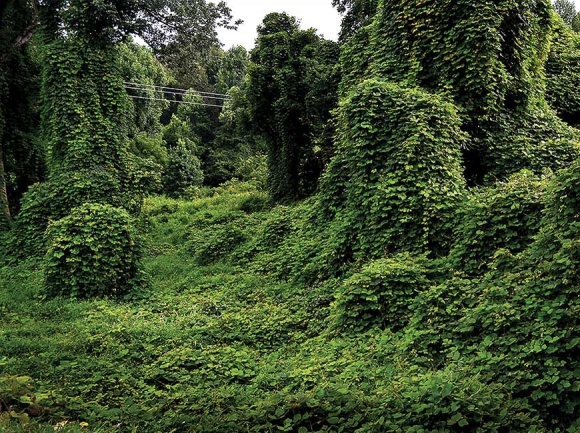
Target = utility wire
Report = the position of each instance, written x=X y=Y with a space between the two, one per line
x=127 y=83
x=176 y=93
x=176 y=102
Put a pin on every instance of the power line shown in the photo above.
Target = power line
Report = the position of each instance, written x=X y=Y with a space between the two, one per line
x=176 y=93
x=173 y=88
x=176 y=102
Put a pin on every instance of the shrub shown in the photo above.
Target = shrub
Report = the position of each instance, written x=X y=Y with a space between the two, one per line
x=381 y=294
x=183 y=171
x=92 y=253
x=505 y=216
x=257 y=202
x=53 y=200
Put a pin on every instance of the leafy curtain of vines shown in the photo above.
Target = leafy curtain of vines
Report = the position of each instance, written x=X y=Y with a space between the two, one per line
x=436 y=96
x=488 y=59
x=83 y=107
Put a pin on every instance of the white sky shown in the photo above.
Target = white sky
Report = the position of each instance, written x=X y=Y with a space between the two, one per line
x=312 y=13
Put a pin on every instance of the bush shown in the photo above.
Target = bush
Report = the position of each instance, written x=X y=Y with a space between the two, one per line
x=381 y=294
x=92 y=253
x=506 y=216
x=183 y=171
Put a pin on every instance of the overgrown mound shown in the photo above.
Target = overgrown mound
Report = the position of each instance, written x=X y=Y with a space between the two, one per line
x=396 y=176
x=92 y=252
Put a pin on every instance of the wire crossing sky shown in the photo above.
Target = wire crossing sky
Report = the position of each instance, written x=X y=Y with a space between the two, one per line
x=213 y=98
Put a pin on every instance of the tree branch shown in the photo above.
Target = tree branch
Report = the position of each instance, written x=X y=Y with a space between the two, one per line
x=25 y=37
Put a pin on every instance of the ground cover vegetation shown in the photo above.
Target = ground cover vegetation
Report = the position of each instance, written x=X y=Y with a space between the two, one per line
x=380 y=234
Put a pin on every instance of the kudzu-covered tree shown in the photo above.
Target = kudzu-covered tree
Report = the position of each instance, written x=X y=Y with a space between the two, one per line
x=488 y=59
x=436 y=96
x=355 y=14
x=83 y=107
x=291 y=92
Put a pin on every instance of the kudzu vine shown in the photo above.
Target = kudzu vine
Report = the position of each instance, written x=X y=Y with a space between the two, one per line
x=92 y=181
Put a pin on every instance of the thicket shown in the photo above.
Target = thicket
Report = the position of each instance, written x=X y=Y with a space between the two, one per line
x=22 y=157
x=404 y=342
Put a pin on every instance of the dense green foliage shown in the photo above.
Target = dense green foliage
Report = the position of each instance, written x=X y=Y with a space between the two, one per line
x=381 y=294
x=21 y=155
x=183 y=171
x=83 y=107
x=356 y=14
x=430 y=283
x=506 y=216
x=228 y=348
x=142 y=70
x=92 y=252
x=291 y=89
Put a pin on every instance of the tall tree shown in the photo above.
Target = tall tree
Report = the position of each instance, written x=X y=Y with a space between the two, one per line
x=226 y=69
x=182 y=34
x=566 y=9
x=355 y=14
x=286 y=70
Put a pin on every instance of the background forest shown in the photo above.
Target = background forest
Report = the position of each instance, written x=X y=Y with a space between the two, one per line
x=379 y=234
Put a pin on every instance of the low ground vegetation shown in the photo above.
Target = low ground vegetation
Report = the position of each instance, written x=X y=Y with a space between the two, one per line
x=232 y=339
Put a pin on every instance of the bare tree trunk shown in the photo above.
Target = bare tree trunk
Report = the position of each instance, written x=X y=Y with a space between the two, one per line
x=4 y=208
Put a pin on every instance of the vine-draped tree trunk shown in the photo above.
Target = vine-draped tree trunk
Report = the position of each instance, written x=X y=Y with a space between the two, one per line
x=5 y=209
